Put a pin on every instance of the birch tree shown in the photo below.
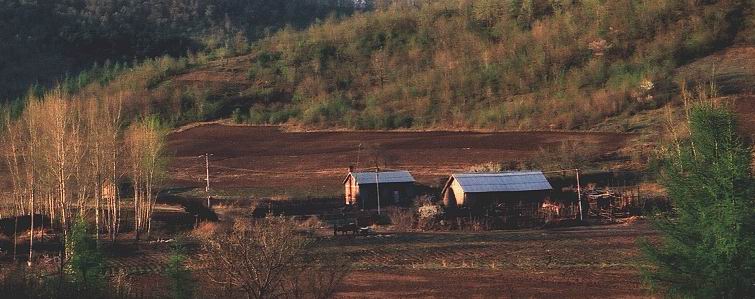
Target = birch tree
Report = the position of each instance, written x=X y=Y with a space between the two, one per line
x=145 y=144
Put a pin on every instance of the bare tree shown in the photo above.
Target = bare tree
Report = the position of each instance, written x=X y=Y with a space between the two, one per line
x=65 y=160
x=11 y=141
x=145 y=142
x=103 y=124
x=268 y=258
x=61 y=151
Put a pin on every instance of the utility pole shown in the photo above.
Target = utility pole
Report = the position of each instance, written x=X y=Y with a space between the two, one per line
x=579 y=196
x=377 y=186
x=207 y=176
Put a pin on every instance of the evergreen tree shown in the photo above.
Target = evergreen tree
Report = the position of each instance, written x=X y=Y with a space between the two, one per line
x=707 y=248
x=181 y=282
x=86 y=265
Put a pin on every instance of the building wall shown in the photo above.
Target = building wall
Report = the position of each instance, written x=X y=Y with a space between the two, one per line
x=390 y=193
x=454 y=196
x=351 y=191
x=528 y=202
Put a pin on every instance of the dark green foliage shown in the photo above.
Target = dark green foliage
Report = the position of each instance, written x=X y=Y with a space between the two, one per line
x=44 y=40
x=83 y=276
x=708 y=243
x=86 y=266
x=181 y=282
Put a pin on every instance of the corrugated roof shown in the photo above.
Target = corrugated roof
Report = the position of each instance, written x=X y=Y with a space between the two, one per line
x=502 y=182
x=401 y=176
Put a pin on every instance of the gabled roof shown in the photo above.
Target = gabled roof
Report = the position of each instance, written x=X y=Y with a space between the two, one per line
x=400 y=176
x=501 y=182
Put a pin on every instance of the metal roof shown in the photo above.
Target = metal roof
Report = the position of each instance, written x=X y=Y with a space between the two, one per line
x=401 y=176
x=502 y=182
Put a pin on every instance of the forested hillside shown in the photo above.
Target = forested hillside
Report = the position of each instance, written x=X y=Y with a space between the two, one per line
x=45 y=40
x=506 y=64
x=518 y=64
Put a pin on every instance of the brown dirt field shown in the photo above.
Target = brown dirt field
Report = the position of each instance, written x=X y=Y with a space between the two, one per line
x=473 y=283
x=745 y=108
x=733 y=70
x=253 y=156
x=583 y=262
x=579 y=262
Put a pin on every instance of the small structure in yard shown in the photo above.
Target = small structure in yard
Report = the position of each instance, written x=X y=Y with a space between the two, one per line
x=513 y=195
x=395 y=187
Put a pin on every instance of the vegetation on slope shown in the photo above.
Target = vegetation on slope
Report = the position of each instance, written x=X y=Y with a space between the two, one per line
x=505 y=64
x=519 y=64
x=46 y=39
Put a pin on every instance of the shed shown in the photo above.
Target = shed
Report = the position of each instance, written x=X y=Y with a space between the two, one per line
x=394 y=186
x=521 y=192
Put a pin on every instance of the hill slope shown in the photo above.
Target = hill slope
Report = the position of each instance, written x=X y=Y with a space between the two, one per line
x=459 y=64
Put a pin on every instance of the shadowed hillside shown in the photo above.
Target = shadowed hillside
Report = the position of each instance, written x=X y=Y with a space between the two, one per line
x=49 y=40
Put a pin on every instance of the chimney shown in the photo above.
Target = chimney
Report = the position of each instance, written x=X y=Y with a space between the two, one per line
x=351 y=168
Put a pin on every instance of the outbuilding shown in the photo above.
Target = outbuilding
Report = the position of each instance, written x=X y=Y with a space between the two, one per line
x=395 y=187
x=520 y=193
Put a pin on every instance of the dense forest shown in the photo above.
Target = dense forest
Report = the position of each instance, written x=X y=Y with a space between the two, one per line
x=518 y=64
x=45 y=40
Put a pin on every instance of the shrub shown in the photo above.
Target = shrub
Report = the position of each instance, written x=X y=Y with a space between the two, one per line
x=487 y=167
x=428 y=213
x=401 y=218
x=236 y=116
x=269 y=258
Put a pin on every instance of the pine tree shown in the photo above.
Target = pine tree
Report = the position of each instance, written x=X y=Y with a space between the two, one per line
x=181 y=281
x=86 y=265
x=707 y=247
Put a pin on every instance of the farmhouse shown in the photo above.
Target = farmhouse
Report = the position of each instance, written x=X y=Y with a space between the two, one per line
x=394 y=186
x=508 y=193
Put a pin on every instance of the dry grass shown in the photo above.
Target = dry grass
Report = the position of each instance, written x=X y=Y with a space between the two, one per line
x=311 y=223
x=205 y=230
x=402 y=219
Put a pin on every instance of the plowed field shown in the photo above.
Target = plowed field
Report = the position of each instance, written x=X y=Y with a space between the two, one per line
x=586 y=262
x=253 y=157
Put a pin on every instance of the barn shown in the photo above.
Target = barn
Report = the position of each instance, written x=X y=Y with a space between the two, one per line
x=395 y=187
x=508 y=193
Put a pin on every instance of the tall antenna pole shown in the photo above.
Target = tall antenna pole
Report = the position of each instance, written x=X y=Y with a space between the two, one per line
x=207 y=178
x=579 y=196
x=377 y=186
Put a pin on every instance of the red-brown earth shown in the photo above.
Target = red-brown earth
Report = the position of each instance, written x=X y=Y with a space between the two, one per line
x=268 y=157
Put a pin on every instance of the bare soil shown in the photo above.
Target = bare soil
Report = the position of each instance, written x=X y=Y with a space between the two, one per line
x=569 y=263
x=585 y=262
x=266 y=156
x=732 y=70
x=745 y=108
x=475 y=283
x=581 y=262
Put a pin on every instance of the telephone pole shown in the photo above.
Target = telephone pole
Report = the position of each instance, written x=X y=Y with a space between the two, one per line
x=207 y=176
x=377 y=186
x=579 y=196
